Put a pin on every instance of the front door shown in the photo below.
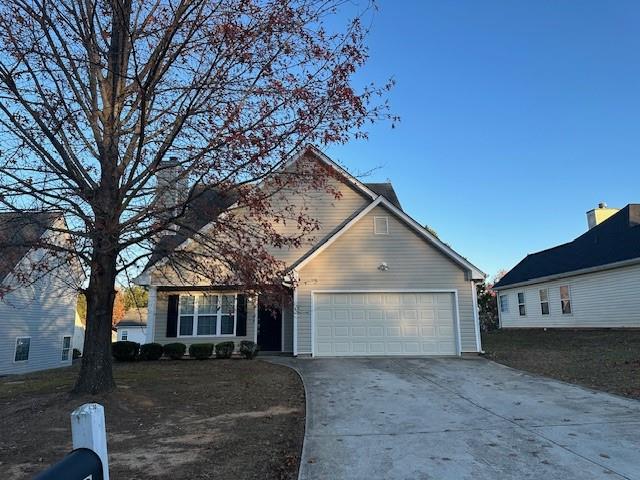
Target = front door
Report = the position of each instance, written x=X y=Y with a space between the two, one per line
x=269 y=327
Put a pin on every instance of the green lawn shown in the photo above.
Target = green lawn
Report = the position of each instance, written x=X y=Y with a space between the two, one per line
x=601 y=359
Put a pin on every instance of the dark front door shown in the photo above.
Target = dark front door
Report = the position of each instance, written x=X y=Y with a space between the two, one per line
x=269 y=327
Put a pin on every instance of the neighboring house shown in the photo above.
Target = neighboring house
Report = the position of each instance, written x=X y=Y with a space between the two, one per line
x=591 y=282
x=371 y=281
x=36 y=321
x=78 y=332
x=133 y=327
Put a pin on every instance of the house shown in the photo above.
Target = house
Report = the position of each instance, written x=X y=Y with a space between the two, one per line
x=370 y=281
x=591 y=282
x=133 y=327
x=37 y=319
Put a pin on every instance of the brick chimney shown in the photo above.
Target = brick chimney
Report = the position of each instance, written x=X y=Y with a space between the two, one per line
x=600 y=214
x=171 y=185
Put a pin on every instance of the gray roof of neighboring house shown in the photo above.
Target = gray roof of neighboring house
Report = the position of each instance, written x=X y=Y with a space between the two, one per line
x=136 y=317
x=19 y=233
x=615 y=240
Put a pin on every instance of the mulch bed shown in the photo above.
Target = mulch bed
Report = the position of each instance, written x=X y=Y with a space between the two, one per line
x=606 y=360
x=167 y=420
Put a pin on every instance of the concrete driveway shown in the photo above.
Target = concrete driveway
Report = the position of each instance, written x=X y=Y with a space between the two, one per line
x=439 y=419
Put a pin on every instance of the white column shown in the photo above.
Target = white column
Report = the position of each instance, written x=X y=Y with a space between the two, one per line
x=151 y=314
x=88 y=430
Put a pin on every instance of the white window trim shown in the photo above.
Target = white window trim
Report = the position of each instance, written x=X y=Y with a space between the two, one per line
x=218 y=315
x=544 y=301
x=70 y=349
x=15 y=349
x=524 y=303
x=506 y=303
x=375 y=225
x=570 y=299
x=124 y=332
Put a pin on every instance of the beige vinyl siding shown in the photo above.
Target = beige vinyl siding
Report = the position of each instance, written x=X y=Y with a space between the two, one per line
x=160 y=333
x=46 y=313
x=609 y=298
x=351 y=263
x=319 y=205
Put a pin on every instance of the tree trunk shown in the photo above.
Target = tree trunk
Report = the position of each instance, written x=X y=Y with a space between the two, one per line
x=96 y=373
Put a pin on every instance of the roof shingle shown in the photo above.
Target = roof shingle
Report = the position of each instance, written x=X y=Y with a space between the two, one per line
x=615 y=240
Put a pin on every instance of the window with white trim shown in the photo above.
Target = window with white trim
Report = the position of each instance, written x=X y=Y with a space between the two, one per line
x=66 y=347
x=381 y=225
x=544 y=301
x=522 y=309
x=565 y=300
x=23 y=345
x=504 y=303
x=125 y=335
x=207 y=315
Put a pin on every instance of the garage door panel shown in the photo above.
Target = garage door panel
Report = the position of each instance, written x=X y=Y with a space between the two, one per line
x=384 y=324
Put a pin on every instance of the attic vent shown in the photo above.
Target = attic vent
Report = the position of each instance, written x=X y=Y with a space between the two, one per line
x=381 y=225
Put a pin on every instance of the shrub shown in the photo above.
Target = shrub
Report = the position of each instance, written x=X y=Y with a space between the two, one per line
x=225 y=349
x=175 y=351
x=151 y=351
x=201 y=351
x=125 y=351
x=249 y=349
x=76 y=353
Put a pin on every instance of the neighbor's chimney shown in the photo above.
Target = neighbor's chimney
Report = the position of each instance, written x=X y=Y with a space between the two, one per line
x=600 y=214
x=171 y=185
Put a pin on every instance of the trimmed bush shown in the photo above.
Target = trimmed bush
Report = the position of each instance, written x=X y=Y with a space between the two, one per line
x=175 y=351
x=76 y=353
x=201 y=351
x=249 y=349
x=225 y=349
x=125 y=351
x=151 y=351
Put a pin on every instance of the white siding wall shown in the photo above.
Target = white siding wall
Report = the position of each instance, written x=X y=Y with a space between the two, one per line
x=134 y=334
x=351 y=263
x=609 y=298
x=44 y=312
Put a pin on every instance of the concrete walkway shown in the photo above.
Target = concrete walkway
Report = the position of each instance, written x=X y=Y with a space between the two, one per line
x=458 y=419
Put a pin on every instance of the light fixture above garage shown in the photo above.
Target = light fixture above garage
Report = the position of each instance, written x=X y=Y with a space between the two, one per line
x=383 y=267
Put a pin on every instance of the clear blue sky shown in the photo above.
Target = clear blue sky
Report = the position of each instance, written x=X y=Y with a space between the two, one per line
x=517 y=117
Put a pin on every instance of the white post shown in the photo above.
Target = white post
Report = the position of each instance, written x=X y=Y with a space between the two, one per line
x=88 y=430
x=151 y=314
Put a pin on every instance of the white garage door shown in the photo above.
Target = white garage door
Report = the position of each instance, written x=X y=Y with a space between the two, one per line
x=349 y=324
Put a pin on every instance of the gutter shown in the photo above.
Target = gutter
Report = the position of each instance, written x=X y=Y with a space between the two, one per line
x=572 y=273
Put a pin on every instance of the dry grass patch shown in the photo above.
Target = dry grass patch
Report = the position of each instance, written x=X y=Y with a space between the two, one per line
x=166 y=420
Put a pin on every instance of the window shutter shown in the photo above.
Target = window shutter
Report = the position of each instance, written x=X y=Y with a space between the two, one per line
x=172 y=316
x=241 y=326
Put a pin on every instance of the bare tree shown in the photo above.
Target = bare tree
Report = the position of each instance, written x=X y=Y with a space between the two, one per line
x=96 y=96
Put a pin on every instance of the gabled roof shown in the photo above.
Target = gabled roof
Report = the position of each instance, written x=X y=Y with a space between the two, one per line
x=615 y=240
x=135 y=317
x=209 y=204
x=475 y=272
x=19 y=233
x=379 y=193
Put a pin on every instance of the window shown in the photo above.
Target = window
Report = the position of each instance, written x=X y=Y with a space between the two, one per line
x=381 y=225
x=565 y=300
x=504 y=303
x=22 y=349
x=125 y=335
x=544 y=301
x=66 y=346
x=521 y=307
x=207 y=315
